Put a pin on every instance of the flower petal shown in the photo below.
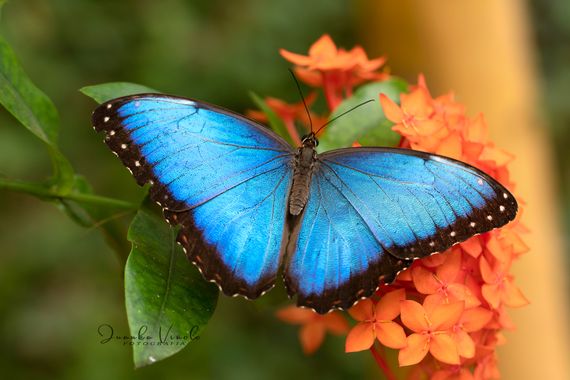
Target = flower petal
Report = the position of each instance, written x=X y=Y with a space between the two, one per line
x=451 y=146
x=491 y=294
x=360 y=338
x=472 y=246
x=391 y=334
x=324 y=47
x=476 y=129
x=311 y=336
x=388 y=307
x=391 y=109
x=295 y=315
x=297 y=59
x=464 y=343
x=415 y=351
x=460 y=292
x=444 y=349
x=424 y=280
x=363 y=310
x=445 y=316
x=335 y=322
x=486 y=271
x=448 y=272
x=475 y=319
x=513 y=296
x=417 y=103
x=414 y=316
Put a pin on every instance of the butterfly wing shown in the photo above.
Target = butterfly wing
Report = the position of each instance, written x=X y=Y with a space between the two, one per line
x=222 y=177
x=371 y=211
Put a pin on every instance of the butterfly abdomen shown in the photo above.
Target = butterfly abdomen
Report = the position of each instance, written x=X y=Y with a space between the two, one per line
x=302 y=173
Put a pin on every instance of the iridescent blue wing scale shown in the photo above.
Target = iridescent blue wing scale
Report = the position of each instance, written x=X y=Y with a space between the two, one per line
x=371 y=211
x=222 y=177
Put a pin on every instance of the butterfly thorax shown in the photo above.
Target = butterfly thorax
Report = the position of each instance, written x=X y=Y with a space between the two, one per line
x=304 y=165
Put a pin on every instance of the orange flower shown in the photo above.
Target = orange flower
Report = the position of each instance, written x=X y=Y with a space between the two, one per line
x=323 y=56
x=314 y=326
x=414 y=113
x=499 y=287
x=442 y=286
x=334 y=69
x=471 y=320
x=376 y=322
x=431 y=332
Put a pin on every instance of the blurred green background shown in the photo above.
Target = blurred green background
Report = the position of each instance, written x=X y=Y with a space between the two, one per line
x=59 y=282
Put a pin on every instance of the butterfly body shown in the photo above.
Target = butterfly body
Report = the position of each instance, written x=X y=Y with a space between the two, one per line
x=338 y=224
x=303 y=170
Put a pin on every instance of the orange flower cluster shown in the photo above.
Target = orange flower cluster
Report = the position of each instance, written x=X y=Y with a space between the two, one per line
x=455 y=301
x=334 y=69
x=446 y=312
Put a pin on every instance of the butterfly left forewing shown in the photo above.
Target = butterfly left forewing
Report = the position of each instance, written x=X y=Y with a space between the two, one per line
x=222 y=177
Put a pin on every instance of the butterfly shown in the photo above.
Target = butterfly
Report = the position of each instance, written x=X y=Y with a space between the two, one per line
x=337 y=224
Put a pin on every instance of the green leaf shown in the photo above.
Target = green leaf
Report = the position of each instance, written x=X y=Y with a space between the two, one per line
x=165 y=294
x=34 y=110
x=24 y=100
x=275 y=121
x=367 y=124
x=107 y=91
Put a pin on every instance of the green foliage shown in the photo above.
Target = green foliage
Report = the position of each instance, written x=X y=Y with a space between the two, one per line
x=367 y=124
x=166 y=297
x=163 y=291
x=34 y=110
x=107 y=91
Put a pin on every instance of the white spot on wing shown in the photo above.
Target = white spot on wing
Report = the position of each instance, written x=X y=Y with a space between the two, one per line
x=105 y=119
x=123 y=146
x=502 y=208
x=109 y=106
x=489 y=217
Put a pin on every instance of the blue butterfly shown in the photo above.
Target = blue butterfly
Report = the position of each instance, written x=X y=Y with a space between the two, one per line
x=338 y=224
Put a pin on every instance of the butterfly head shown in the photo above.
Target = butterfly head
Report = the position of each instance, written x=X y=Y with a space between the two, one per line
x=310 y=140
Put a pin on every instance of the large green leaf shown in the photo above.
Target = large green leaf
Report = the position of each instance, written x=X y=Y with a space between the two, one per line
x=24 y=100
x=107 y=91
x=367 y=124
x=275 y=121
x=166 y=296
x=34 y=110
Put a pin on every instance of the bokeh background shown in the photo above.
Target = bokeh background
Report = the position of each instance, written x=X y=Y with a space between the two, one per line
x=59 y=282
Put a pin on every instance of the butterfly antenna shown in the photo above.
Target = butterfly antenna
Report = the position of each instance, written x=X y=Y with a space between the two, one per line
x=302 y=98
x=342 y=114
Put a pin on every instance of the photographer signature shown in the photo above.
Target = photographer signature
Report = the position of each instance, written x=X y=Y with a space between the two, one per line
x=144 y=337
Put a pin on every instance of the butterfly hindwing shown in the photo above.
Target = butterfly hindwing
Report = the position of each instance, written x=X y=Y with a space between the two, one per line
x=222 y=177
x=371 y=211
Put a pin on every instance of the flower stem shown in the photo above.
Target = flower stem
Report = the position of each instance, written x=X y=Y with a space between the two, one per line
x=329 y=91
x=382 y=363
x=42 y=191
